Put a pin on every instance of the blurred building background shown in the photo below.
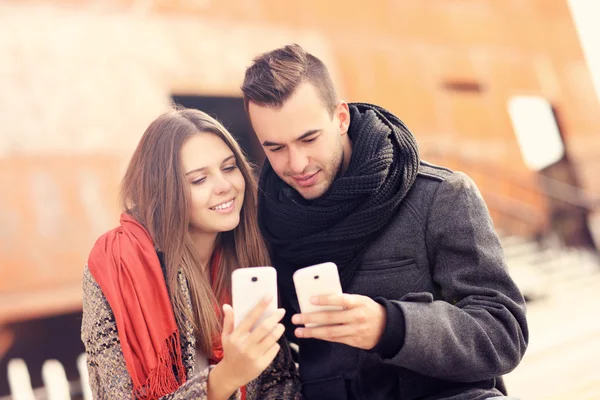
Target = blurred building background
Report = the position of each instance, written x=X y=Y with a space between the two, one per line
x=507 y=91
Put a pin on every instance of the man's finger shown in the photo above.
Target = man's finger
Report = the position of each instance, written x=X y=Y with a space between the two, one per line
x=325 y=318
x=329 y=333
x=341 y=300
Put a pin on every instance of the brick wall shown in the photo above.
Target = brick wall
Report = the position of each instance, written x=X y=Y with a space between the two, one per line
x=80 y=81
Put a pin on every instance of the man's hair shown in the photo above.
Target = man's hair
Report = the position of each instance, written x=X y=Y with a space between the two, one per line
x=274 y=76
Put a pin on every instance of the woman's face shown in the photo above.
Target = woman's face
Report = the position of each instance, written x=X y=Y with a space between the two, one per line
x=216 y=184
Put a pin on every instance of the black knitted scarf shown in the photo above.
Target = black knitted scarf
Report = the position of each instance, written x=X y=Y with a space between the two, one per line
x=339 y=225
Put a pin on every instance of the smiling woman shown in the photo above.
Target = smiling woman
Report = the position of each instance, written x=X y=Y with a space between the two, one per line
x=189 y=220
x=216 y=189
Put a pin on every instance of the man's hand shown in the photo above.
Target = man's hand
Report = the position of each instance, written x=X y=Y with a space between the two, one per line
x=360 y=324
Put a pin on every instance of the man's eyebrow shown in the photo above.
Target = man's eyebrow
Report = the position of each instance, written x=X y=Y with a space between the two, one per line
x=306 y=134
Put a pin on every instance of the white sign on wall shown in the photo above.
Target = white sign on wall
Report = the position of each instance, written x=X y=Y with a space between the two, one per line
x=536 y=130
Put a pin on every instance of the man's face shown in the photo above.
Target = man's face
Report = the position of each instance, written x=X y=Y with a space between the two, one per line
x=303 y=142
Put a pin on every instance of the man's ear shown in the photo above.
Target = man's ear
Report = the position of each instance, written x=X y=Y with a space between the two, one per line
x=343 y=116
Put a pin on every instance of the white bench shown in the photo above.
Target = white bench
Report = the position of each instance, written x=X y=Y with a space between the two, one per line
x=56 y=384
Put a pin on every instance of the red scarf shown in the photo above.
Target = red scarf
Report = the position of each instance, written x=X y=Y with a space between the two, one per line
x=125 y=265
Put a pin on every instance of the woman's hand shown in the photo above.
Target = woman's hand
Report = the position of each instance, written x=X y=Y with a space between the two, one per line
x=246 y=353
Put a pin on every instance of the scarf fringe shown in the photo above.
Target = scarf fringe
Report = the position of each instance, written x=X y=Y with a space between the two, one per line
x=167 y=376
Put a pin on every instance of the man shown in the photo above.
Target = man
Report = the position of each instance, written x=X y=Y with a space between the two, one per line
x=430 y=311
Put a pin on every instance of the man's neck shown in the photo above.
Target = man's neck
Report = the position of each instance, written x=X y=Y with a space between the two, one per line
x=347 y=149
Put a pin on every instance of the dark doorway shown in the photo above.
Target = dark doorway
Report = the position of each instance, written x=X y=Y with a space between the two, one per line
x=230 y=112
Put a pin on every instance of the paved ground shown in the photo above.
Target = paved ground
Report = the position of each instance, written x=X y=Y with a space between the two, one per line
x=563 y=358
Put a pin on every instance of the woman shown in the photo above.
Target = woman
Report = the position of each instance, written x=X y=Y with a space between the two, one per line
x=154 y=286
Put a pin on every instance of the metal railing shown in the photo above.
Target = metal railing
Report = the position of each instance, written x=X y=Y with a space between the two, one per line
x=518 y=216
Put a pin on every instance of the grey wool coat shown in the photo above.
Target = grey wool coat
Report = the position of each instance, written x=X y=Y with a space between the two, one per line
x=455 y=318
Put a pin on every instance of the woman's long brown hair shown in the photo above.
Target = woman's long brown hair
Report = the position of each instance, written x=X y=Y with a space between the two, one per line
x=155 y=191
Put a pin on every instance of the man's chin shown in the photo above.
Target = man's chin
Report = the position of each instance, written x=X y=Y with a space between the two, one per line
x=312 y=192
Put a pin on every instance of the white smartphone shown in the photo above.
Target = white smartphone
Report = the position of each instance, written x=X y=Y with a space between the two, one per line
x=316 y=280
x=249 y=286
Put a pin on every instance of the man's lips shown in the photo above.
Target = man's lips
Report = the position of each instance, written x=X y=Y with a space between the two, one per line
x=306 y=180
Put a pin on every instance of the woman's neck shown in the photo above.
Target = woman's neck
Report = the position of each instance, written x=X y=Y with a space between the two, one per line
x=205 y=245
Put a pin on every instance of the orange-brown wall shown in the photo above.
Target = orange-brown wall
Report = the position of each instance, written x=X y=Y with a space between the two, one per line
x=398 y=54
